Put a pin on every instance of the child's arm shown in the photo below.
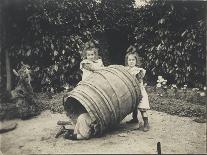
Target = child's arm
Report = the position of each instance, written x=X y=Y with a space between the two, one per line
x=88 y=67
x=93 y=65
x=98 y=64
x=86 y=64
x=140 y=75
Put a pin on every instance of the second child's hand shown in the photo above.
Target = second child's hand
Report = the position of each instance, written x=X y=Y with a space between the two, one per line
x=88 y=66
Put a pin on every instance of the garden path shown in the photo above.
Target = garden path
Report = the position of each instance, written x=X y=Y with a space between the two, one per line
x=176 y=134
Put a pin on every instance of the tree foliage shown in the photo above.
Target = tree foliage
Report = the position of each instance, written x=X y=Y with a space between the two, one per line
x=53 y=39
x=172 y=41
x=50 y=36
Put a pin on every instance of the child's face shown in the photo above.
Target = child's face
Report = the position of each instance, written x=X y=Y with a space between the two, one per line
x=132 y=61
x=90 y=55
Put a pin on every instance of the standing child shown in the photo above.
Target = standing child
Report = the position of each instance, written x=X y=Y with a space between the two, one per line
x=91 y=62
x=133 y=63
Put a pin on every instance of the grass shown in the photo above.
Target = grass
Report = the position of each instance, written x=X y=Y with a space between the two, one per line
x=178 y=102
x=188 y=104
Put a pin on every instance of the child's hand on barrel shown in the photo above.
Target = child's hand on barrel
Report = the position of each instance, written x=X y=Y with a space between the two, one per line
x=88 y=66
x=140 y=75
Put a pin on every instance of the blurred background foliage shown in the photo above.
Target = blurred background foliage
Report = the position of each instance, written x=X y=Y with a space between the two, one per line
x=50 y=35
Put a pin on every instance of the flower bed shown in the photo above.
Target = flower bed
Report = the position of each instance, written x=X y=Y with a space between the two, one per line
x=179 y=102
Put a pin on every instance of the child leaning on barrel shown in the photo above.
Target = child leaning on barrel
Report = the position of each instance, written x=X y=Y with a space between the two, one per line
x=133 y=63
x=91 y=62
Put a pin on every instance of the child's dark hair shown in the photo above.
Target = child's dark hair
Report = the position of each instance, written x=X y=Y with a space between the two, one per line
x=132 y=51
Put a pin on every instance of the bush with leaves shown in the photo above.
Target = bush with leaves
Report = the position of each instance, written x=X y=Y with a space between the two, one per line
x=54 y=37
x=50 y=35
x=170 y=35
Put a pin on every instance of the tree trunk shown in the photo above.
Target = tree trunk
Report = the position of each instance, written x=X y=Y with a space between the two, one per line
x=1 y=39
x=206 y=43
x=8 y=71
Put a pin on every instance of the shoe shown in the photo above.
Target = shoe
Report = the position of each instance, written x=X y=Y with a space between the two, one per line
x=70 y=136
x=67 y=135
x=132 y=121
x=138 y=126
x=146 y=128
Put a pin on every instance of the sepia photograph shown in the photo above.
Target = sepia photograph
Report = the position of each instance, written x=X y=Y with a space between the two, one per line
x=103 y=77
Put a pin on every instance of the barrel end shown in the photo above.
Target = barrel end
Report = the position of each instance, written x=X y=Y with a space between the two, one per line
x=73 y=108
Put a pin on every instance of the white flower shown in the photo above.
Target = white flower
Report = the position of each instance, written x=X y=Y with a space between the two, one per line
x=185 y=86
x=164 y=82
x=204 y=88
x=36 y=69
x=52 y=90
x=195 y=89
x=158 y=81
x=202 y=94
x=66 y=87
x=174 y=86
x=160 y=77
x=165 y=87
x=158 y=85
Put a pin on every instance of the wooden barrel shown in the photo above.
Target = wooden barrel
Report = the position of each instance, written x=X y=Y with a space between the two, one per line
x=108 y=95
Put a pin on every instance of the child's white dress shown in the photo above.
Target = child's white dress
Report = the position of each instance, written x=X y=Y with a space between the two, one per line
x=95 y=64
x=144 y=103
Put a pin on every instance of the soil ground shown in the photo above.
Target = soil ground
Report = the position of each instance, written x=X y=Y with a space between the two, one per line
x=176 y=134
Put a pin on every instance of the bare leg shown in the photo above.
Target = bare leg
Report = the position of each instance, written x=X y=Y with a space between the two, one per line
x=145 y=119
